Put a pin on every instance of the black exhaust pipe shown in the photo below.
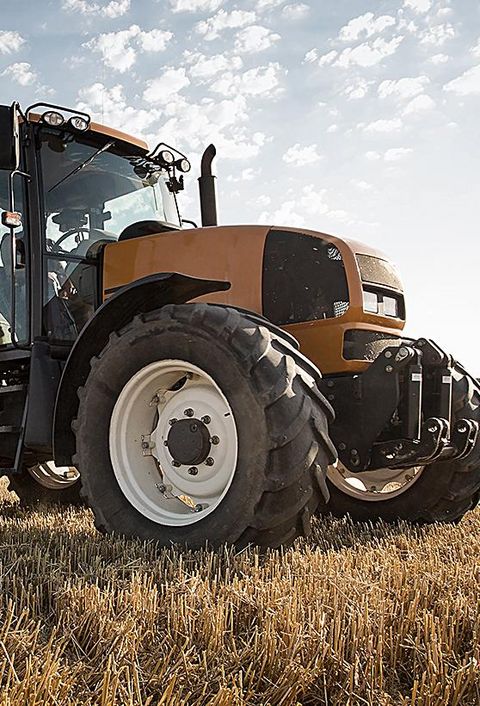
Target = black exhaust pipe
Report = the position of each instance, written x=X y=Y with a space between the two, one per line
x=206 y=184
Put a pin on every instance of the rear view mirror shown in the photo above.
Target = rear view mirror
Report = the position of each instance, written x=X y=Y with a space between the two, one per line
x=9 y=137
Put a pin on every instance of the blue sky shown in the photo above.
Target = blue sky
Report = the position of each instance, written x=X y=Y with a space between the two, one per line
x=357 y=118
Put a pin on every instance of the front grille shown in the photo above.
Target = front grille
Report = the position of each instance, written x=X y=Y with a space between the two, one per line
x=366 y=345
x=376 y=271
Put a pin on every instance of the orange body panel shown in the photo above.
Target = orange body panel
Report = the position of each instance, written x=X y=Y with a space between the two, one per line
x=235 y=254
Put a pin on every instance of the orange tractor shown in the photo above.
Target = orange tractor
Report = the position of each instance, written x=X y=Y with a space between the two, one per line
x=213 y=384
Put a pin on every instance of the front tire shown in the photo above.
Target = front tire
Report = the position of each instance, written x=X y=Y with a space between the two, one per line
x=442 y=491
x=196 y=425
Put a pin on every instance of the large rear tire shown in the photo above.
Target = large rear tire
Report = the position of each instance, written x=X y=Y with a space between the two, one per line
x=440 y=492
x=196 y=425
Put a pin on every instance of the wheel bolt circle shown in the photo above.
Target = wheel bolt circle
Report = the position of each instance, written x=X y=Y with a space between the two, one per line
x=209 y=461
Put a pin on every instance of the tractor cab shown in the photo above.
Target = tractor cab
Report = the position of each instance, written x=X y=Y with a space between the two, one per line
x=76 y=186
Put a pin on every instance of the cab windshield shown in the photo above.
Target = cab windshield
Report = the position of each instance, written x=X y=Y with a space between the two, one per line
x=93 y=190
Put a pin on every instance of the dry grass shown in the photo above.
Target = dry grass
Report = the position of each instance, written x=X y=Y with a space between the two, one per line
x=358 y=615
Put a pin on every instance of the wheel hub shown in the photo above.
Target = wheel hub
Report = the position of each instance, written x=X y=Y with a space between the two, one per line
x=188 y=442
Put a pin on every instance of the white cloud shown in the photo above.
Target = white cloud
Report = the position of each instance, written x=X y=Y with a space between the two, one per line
x=155 y=40
x=295 y=11
x=195 y=5
x=268 y=4
x=418 y=6
x=310 y=56
x=476 y=49
x=264 y=200
x=362 y=185
x=117 y=48
x=167 y=86
x=439 y=59
x=327 y=59
x=420 y=104
x=255 y=39
x=10 y=41
x=113 y=9
x=365 y=25
x=358 y=89
x=396 y=153
x=437 y=35
x=205 y=67
x=295 y=211
x=369 y=53
x=211 y=28
x=372 y=156
x=300 y=156
x=332 y=128
x=21 y=72
x=248 y=174
x=109 y=106
x=225 y=123
x=261 y=80
x=384 y=125
x=466 y=84
x=403 y=87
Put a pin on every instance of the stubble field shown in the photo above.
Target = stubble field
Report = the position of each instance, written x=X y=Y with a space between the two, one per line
x=356 y=615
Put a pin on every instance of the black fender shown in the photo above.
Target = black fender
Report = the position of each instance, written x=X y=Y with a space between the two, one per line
x=138 y=297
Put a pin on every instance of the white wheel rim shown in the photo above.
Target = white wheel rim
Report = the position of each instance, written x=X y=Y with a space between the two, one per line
x=373 y=486
x=54 y=477
x=143 y=464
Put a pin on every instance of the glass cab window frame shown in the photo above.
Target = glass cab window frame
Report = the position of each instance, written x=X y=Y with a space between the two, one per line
x=89 y=183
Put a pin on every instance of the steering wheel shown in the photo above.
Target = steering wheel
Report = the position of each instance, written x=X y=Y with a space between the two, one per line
x=73 y=231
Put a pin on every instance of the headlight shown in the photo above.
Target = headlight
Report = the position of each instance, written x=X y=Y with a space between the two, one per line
x=51 y=117
x=370 y=302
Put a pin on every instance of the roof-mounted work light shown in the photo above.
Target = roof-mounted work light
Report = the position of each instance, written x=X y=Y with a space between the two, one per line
x=79 y=123
x=51 y=117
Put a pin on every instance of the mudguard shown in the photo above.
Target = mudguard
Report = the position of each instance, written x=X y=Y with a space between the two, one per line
x=138 y=297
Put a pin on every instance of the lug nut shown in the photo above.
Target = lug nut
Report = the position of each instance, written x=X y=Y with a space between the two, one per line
x=198 y=508
x=388 y=368
x=215 y=440
x=176 y=464
x=193 y=471
x=189 y=412
x=206 y=419
x=209 y=461
x=172 y=421
x=160 y=487
x=145 y=444
x=388 y=354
